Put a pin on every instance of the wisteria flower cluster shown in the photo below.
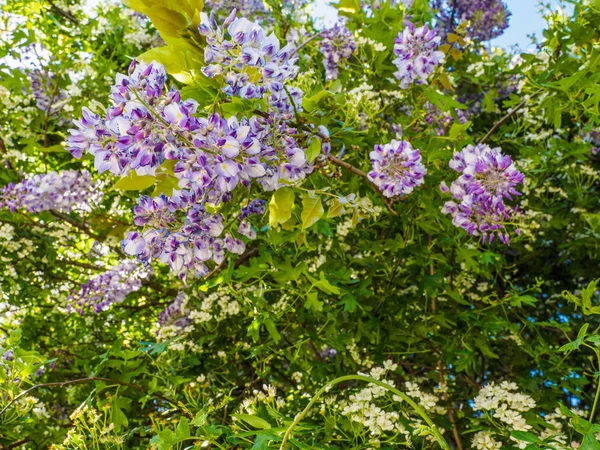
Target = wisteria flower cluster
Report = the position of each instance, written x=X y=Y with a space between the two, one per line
x=50 y=191
x=337 y=45
x=488 y=177
x=397 y=168
x=416 y=53
x=175 y=315
x=48 y=95
x=148 y=125
x=249 y=49
x=487 y=18
x=245 y=8
x=108 y=288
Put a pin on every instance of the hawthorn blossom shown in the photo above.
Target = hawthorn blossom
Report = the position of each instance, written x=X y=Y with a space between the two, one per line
x=50 y=191
x=337 y=45
x=416 y=53
x=488 y=177
x=397 y=168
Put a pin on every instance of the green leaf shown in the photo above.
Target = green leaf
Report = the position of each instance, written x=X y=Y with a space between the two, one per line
x=312 y=210
x=182 y=431
x=314 y=149
x=272 y=330
x=281 y=205
x=254 y=421
x=313 y=303
x=134 y=182
x=310 y=103
x=524 y=436
x=324 y=285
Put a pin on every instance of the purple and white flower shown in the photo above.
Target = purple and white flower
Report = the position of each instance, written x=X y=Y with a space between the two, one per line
x=417 y=54
x=397 y=168
x=488 y=178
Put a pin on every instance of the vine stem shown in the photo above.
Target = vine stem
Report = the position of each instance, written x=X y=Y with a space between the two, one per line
x=594 y=406
x=436 y=433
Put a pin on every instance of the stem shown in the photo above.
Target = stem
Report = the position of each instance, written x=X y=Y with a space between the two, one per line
x=304 y=44
x=438 y=436
x=597 y=391
x=357 y=171
x=506 y=117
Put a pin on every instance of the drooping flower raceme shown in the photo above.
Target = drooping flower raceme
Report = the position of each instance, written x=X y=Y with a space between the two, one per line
x=487 y=19
x=48 y=95
x=397 y=168
x=337 y=45
x=417 y=54
x=488 y=178
x=247 y=49
x=50 y=191
x=110 y=287
x=151 y=130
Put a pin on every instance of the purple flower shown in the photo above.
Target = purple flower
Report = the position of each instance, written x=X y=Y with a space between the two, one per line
x=487 y=19
x=337 y=45
x=175 y=315
x=397 y=168
x=59 y=191
x=49 y=97
x=112 y=286
x=488 y=177
x=416 y=53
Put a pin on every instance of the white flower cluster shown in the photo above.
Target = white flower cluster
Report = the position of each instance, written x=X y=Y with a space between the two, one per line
x=362 y=408
x=505 y=404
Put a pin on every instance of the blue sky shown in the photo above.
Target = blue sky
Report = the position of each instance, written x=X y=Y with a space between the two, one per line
x=525 y=20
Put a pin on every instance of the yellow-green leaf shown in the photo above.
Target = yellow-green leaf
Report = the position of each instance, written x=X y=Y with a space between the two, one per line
x=313 y=149
x=336 y=209
x=134 y=182
x=312 y=210
x=281 y=205
x=255 y=421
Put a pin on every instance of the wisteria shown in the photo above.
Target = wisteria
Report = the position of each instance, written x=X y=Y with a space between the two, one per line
x=149 y=129
x=48 y=95
x=249 y=47
x=417 y=54
x=245 y=8
x=176 y=314
x=50 y=191
x=488 y=177
x=337 y=45
x=397 y=168
x=108 y=288
x=487 y=19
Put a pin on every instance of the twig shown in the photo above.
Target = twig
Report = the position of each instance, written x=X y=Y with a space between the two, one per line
x=62 y=12
x=357 y=171
x=506 y=117
x=76 y=224
x=84 y=380
x=304 y=44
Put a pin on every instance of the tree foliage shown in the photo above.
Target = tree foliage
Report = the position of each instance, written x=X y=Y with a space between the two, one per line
x=226 y=234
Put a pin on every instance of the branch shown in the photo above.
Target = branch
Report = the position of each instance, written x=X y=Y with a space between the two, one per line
x=360 y=173
x=506 y=117
x=304 y=44
x=238 y=262
x=66 y=14
x=84 y=380
x=76 y=224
